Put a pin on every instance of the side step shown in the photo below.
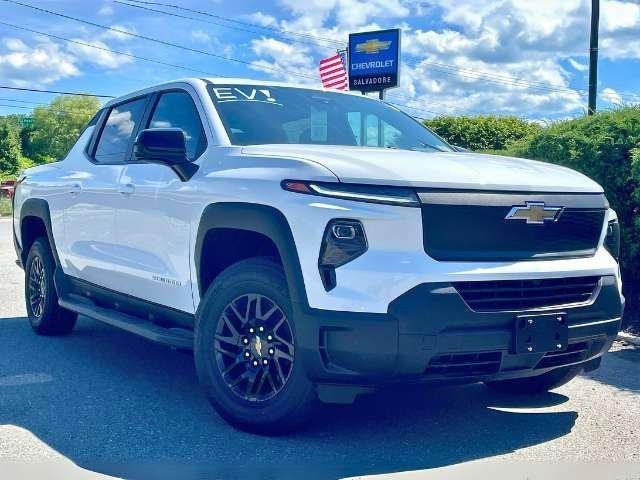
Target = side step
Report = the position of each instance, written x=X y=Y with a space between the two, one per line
x=174 y=337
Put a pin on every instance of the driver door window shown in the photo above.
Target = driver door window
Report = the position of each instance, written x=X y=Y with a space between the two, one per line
x=177 y=110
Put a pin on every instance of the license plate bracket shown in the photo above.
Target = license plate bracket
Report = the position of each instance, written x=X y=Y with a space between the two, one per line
x=541 y=333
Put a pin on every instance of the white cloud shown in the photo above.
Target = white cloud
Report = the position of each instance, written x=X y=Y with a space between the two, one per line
x=118 y=35
x=619 y=15
x=45 y=62
x=200 y=36
x=105 y=11
x=611 y=96
x=262 y=19
x=581 y=67
x=282 y=60
x=97 y=56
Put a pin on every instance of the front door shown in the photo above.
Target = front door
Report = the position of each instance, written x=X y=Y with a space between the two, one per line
x=154 y=214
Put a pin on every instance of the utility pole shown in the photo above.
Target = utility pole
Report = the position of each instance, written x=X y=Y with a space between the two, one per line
x=593 y=56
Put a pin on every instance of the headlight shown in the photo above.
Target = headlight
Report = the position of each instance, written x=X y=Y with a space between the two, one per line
x=401 y=196
x=343 y=240
x=612 y=239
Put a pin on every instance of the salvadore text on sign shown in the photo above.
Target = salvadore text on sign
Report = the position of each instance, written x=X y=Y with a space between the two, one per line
x=374 y=60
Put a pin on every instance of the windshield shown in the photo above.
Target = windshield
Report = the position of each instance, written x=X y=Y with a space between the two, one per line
x=254 y=115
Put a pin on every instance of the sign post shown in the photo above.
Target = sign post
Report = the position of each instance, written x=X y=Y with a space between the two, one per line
x=374 y=61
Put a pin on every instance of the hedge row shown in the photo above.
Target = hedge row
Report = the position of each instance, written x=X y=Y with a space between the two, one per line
x=483 y=132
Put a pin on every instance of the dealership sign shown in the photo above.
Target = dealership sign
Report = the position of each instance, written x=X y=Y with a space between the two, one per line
x=374 y=59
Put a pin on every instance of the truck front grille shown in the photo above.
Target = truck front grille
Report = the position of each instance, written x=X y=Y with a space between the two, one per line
x=515 y=295
x=473 y=226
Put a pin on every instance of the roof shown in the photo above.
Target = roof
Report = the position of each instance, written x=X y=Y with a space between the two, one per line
x=222 y=81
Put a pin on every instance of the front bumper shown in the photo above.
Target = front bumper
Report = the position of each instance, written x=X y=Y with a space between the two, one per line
x=430 y=334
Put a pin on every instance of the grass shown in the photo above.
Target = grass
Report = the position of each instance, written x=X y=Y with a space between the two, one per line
x=5 y=207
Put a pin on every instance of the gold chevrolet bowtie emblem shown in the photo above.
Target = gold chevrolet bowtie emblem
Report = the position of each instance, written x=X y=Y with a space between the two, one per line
x=372 y=46
x=257 y=346
x=534 y=213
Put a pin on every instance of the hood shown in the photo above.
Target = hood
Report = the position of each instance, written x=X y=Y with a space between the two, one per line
x=459 y=170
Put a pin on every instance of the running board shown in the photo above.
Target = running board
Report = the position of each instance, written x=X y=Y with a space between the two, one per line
x=174 y=337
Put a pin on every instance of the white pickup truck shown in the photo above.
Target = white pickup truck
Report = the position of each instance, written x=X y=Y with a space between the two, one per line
x=313 y=244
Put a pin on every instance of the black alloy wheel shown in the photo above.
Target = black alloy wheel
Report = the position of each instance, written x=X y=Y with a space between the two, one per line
x=254 y=347
x=37 y=287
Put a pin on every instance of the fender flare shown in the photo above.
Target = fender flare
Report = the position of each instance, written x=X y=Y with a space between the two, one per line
x=38 y=208
x=262 y=219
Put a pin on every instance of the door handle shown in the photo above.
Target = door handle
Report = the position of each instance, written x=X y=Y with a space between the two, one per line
x=75 y=188
x=126 y=188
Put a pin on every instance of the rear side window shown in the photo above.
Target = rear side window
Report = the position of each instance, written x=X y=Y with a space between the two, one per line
x=121 y=125
x=177 y=110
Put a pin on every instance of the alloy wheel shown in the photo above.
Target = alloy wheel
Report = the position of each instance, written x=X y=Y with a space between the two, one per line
x=254 y=347
x=37 y=287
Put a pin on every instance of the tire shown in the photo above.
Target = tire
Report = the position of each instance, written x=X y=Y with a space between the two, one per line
x=273 y=398
x=46 y=317
x=538 y=384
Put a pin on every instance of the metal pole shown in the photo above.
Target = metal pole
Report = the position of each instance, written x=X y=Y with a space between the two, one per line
x=593 y=56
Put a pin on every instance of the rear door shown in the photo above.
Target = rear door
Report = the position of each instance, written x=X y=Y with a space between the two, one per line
x=91 y=250
x=153 y=219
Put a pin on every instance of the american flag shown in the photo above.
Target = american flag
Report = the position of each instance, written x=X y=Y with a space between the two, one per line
x=333 y=73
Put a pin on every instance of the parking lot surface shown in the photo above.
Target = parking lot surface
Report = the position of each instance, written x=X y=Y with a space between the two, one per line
x=114 y=403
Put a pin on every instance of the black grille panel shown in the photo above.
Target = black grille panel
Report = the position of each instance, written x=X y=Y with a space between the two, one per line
x=464 y=364
x=481 y=233
x=514 y=295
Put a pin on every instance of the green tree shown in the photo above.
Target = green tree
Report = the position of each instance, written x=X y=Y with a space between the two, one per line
x=57 y=126
x=10 y=150
x=486 y=132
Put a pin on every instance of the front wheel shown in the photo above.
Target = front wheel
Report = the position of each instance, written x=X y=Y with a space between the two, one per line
x=538 y=384
x=245 y=349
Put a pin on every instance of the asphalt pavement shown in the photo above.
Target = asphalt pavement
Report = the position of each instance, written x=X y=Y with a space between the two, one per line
x=110 y=402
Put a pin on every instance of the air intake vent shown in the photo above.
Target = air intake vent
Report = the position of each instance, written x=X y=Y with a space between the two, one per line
x=464 y=364
x=577 y=352
x=517 y=295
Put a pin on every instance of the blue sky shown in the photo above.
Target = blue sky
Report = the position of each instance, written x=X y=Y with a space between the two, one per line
x=459 y=56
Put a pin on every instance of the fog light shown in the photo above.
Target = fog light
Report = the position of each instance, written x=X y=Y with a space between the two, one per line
x=343 y=241
x=343 y=232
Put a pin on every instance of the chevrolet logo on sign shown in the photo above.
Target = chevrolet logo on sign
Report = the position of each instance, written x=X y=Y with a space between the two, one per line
x=372 y=46
x=535 y=213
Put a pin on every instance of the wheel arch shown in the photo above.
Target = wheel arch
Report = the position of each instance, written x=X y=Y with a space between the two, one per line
x=258 y=219
x=35 y=220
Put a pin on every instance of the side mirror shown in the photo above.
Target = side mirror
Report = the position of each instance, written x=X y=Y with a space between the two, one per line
x=165 y=146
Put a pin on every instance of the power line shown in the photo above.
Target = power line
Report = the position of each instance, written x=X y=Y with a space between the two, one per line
x=59 y=92
x=20 y=101
x=104 y=49
x=151 y=39
x=17 y=106
x=177 y=15
x=240 y=22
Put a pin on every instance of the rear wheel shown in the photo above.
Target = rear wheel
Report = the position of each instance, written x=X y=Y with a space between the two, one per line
x=45 y=315
x=538 y=384
x=245 y=349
